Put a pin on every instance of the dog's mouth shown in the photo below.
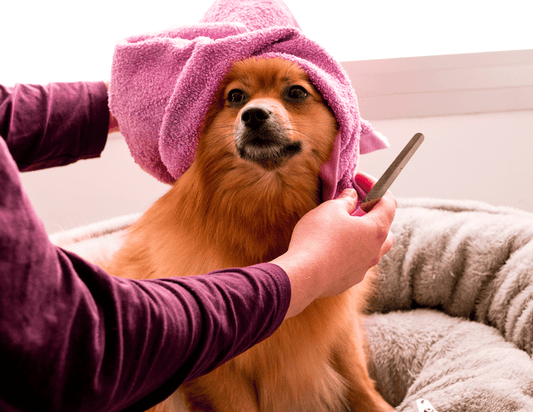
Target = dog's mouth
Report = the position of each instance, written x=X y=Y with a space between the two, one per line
x=260 y=138
x=268 y=154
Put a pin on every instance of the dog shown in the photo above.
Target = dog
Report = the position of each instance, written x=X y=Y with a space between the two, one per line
x=255 y=175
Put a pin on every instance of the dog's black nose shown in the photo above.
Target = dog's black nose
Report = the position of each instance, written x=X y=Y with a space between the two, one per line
x=254 y=116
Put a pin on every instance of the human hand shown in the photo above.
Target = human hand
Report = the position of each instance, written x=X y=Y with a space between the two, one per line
x=331 y=251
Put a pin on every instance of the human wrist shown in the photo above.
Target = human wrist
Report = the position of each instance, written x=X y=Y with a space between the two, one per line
x=301 y=271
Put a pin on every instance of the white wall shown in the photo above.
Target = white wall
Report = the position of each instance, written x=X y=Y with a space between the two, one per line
x=92 y=190
x=473 y=150
x=476 y=111
x=65 y=40
x=48 y=41
x=487 y=157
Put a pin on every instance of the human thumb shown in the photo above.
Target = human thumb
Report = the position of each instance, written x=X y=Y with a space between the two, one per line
x=348 y=198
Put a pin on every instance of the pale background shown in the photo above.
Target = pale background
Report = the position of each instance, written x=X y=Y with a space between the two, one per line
x=476 y=110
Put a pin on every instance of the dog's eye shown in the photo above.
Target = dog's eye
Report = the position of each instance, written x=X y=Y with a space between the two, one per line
x=237 y=97
x=297 y=94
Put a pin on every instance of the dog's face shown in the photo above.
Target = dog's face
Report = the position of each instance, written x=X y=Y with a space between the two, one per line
x=268 y=120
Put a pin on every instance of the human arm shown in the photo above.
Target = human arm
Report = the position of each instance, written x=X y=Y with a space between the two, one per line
x=54 y=125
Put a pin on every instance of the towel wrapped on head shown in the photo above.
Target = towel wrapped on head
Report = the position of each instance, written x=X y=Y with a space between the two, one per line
x=163 y=84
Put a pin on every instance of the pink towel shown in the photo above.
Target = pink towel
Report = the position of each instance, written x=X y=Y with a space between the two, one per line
x=162 y=85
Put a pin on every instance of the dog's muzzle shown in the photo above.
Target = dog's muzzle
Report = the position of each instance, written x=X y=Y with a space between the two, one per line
x=261 y=138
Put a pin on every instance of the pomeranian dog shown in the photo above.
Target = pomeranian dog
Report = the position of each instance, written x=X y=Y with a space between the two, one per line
x=255 y=175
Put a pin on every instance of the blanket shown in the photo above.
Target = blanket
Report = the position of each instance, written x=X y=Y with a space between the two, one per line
x=452 y=321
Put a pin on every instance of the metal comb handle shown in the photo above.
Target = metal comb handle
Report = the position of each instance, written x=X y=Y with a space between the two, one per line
x=390 y=175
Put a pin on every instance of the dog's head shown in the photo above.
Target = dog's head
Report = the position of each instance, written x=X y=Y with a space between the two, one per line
x=268 y=119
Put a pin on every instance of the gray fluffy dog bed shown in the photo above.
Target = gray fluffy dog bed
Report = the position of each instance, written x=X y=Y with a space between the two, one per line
x=453 y=319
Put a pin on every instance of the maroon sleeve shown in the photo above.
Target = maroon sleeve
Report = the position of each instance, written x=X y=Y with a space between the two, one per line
x=73 y=338
x=54 y=125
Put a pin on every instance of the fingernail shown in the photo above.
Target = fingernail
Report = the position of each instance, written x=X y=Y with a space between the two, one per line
x=348 y=192
x=364 y=182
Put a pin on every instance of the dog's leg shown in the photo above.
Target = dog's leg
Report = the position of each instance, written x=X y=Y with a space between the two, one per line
x=223 y=390
x=349 y=361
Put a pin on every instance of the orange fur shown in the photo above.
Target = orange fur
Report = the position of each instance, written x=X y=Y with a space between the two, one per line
x=229 y=211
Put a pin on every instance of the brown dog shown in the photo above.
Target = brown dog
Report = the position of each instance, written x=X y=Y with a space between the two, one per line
x=255 y=175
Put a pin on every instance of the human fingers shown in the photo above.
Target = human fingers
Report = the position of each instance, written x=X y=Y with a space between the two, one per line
x=365 y=181
x=385 y=209
x=348 y=199
x=382 y=215
x=113 y=122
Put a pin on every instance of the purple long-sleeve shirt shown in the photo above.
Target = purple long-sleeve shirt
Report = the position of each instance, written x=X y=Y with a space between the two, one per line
x=73 y=338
